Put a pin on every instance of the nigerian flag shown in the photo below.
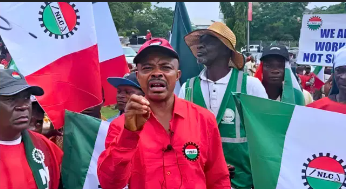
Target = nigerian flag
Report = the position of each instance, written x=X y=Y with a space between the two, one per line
x=12 y=65
x=84 y=140
x=293 y=146
x=292 y=92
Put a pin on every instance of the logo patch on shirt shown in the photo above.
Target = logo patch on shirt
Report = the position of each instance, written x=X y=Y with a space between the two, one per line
x=191 y=151
x=228 y=116
x=38 y=156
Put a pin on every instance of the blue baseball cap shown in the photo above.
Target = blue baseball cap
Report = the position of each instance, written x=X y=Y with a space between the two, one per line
x=128 y=80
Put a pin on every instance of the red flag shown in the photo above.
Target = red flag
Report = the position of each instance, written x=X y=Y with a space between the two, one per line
x=60 y=55
x=249 y=12
x=111 y=54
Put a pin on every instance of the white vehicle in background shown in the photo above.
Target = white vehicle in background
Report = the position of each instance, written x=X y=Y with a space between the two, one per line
x=129 y=55
x=252 y=48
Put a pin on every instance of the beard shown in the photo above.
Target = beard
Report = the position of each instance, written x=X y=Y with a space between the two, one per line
x=202 y=60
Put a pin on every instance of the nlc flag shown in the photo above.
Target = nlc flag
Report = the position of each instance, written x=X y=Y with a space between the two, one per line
x=293 y=146
x=54 y=46
x=111 y=54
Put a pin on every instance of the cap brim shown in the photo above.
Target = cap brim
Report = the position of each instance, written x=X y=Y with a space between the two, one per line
x=15 y=89
x=274 y=53
x=162 y=49
x=117 y=81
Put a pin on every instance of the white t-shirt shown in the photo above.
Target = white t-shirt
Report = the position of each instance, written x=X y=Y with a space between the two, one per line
x=13 y=142
x=217 y=90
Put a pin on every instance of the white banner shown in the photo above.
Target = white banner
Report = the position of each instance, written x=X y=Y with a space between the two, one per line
x=321 y=36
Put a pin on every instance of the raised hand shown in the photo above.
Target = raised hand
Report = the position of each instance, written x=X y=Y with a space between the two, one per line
x=137 y=112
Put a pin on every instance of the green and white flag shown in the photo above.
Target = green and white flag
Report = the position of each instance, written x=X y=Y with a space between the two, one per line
x=292 y=93
x=12 y=65
x=84 y=140
x=293 y=147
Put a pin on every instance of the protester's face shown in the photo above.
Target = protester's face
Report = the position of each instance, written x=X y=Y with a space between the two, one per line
x=157 y=74
x=307 y=69
x=300 y=70
x=209 y=49
x=36 y=122
x=124 y=93
x=340 y=78
x=15 y=112
x=274 y=70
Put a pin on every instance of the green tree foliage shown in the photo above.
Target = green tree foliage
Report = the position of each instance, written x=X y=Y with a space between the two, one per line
x=123 y=15
x=277 y=20
x=235 y=18
x=227 y=10
x=138 y=17
x=270 y=21
x=333 y=9
x=158 y=20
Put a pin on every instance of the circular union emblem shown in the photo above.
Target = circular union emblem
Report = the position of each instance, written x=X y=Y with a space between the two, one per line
x=16 y=75
x=59 y=19
x=156 y=42
x=314 y=23
x=324 y=171
x=228 y=116
x=38 y=155
x=191 y=151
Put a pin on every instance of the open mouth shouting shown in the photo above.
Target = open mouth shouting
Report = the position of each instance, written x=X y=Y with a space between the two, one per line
x=157 y=86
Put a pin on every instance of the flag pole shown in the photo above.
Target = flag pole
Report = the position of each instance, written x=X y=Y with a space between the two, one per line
x=249 y=18
x=248 y=37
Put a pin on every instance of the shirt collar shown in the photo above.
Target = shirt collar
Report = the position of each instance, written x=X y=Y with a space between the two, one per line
x=223 y=80
x=179 y=107
x=13 y=142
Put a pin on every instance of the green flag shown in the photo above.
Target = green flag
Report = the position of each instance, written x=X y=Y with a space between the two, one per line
x=84 y=140
x=12 y=65
x=182 y=26
x=292 y=146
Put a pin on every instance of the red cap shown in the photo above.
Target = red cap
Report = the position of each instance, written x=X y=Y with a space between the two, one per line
x=159 y=44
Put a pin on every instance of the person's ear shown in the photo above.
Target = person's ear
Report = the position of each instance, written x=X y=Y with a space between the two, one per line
x=178 y=75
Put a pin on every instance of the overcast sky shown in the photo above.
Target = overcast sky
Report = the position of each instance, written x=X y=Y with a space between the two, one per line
x=210 y=10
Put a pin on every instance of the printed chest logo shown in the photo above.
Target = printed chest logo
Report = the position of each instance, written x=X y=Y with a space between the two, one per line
x=314 y=23
x=38 y=156
x=59 y=19
x=191 y=151
x=323 y=172
x=228 y=117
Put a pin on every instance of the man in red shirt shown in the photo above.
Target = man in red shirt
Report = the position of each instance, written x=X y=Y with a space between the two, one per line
x=336 y=101
x=27 y=159
x=162 y=141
